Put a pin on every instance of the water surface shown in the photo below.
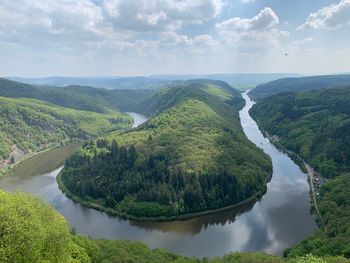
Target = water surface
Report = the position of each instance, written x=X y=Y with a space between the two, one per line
x=279 y=220
x=138 y=118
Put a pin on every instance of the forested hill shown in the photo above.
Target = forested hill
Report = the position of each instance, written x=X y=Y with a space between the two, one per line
x=192 y=155
x=209 y=91
x=28 y=126
x=76 y=97
x=316 y=125
x=299 y=84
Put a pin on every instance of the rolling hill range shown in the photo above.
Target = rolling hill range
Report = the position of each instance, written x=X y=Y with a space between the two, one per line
x=299 y=84
x=96 y=82
x=192 y=155
x=76 y=97
x=153 y=82
x=29 y=125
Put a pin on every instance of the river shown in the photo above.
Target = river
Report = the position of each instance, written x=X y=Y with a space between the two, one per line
x=279 y=220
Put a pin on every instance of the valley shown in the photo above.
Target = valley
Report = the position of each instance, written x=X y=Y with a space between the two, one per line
x=274 y=217
x=192 y=237
x=174 y=131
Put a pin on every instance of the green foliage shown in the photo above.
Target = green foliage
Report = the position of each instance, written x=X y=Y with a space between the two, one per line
x=314 y=124
x=191 y=156
x=76 y=97
x=32 y=231
x=33 y=125
x=126 y=251
x=299 y=84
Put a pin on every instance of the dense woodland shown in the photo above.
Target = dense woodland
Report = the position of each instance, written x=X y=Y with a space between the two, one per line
x=300 y=84
x=316 y=126
x=33 y=125
x=313 y=124
x=191 y=156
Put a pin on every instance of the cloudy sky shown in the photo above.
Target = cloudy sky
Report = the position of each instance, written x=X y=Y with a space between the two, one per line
x=141 y=37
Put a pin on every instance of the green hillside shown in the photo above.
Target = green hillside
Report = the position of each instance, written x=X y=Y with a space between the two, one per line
x=180 y=90
x=28 y=126
x=316 y=126
x=45 y=236
x=191 y=156
x=298 y=84
x=76 y=97
x=123 y=100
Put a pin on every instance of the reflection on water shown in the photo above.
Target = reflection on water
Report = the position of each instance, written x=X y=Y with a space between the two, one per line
x=196 y=225
x=280 y=219
x=138 y=118
x=39 y=164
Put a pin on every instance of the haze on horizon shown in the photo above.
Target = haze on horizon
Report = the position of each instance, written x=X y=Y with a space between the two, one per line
x=145 y=37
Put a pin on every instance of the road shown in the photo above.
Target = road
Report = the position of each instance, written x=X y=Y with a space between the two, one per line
x=310 y=173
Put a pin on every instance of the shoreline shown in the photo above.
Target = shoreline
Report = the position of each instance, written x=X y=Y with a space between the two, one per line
x=180 y=217
x=304 y=166
x=8 y=168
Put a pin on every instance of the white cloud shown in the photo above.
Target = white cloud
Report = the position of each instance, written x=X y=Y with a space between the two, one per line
x=132 y=29
x=252 y=34
x=159 y=15
x=267 y=18
x=330 y=17
x=44 y=20
x=71 y=20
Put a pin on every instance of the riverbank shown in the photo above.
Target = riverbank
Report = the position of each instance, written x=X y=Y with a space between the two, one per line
x=113 y=212
x=6 y=169
x=304 y=166
x=136 y=122
x=310 y=172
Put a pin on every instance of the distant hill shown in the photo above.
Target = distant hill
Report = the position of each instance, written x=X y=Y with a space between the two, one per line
x=96 y=82
x=241 y=81
x=299 y=84
x=76 y=97
x=238 y=81
x=124 y=100
x=182 y=89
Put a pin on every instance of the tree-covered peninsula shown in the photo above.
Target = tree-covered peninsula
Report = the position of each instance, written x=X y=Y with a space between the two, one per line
x=191 y=156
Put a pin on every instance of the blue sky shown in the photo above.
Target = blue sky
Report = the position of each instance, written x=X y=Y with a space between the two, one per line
x=142 y=37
